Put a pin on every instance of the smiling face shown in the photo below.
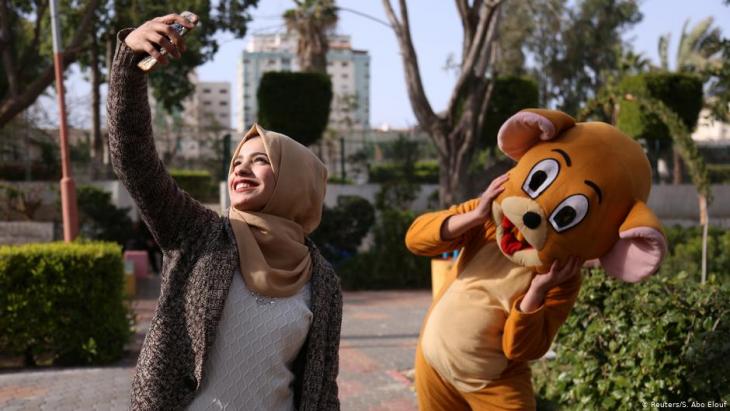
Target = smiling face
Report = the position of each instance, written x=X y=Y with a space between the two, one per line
x=252 y=180
x=568 y=196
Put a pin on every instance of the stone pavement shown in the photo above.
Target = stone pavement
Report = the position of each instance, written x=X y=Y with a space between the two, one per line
x=379 y=333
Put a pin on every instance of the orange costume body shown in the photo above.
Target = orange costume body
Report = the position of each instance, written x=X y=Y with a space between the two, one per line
x=507 y=337
x=577 y=190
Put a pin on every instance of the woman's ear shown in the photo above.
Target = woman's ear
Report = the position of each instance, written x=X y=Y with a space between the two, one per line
x=640 y=249
x=528 y=127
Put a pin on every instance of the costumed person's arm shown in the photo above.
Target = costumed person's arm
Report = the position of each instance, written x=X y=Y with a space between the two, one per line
x=535 y=318
x=169 y=212
x=442 y=231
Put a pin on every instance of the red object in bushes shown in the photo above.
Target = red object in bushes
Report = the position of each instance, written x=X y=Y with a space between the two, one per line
x=141 y=262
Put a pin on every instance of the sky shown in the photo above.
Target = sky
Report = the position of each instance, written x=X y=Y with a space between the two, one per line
x=436 y=31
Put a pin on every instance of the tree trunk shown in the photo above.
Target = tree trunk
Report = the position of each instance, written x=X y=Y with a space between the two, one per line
x=454 y=131
x=676 y=167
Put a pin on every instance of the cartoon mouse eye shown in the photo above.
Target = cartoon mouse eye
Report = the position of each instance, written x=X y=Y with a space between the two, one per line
x=569 y=213
x=541 y=176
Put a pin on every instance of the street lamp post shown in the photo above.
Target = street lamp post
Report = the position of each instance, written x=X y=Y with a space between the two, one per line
x=68 y=188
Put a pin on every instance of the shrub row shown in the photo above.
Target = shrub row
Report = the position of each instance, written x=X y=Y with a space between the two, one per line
x=198 y=183
x=63 y=301
x=625 y=346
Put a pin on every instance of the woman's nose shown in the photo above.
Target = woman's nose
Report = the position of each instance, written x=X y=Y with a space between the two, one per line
x=242 y=169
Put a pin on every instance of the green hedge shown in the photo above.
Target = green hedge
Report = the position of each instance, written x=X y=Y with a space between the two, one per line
x=101 y=220
x=719 y=173
x=424 y=172
x=295 y=104
x=388 y=264
x=64 y=301
x=680 y=92
x=510 y=95
x=626 y=345
x=198 y=183
x=685 y=253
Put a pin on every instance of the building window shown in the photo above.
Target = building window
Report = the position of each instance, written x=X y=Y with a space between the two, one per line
x=206 y=90
x=344 y=64
x=224 y=91
x=206 y=103
x=344 y=75
x=223 y=103
x=285 y=61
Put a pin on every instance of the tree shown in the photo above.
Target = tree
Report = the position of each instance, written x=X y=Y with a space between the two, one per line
x=312 y=20
x=455 y=130
x=24 y=43
x=588 y=50
x=26 y=54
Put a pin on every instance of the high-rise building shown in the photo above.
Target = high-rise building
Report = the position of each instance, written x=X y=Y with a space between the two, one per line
x=349 y=71
x=204 y=119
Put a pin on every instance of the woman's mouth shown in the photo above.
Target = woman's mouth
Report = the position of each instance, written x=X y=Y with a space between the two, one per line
x=512 y=239
x=242 y=186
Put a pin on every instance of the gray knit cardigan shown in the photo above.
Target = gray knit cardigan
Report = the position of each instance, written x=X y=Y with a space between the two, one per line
x=200 y=258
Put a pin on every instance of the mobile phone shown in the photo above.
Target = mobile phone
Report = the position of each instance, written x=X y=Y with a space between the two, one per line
x=149 y=62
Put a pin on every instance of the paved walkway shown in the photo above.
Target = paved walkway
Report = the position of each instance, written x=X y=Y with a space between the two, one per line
x=379 y=332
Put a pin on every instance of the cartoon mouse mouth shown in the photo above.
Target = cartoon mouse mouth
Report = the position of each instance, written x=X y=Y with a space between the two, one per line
x=512 y=239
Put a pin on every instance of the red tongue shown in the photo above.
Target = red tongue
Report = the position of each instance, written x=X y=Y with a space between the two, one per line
x=509 y=243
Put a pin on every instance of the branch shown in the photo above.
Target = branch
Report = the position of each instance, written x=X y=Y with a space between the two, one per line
x=467 y=68
x=35 y=43
x=11 y=106
x=419 y=102
x=6 y=40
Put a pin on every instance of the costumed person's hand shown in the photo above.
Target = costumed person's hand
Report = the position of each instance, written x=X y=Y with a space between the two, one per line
x=543 y=282
x=484 y=209
x=155 y=34
x=457 y=225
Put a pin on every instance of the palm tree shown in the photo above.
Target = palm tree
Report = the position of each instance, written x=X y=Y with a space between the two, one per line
x=699 y=50
x=312 y=20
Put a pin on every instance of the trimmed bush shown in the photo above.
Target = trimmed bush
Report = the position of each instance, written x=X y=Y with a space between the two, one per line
x=388 y=264
x=101 y=220
x=680 y=92
x=625 y=346
x=198 y=183
x=510 y=95
x=685 y=253
x=295 y=104
x=64 y=301
x=719 y=173
x=343 y=227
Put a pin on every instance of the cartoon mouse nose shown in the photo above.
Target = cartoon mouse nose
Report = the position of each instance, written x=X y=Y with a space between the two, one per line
x=531 y=220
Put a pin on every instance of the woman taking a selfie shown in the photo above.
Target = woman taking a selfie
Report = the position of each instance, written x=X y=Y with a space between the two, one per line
x=249 y=311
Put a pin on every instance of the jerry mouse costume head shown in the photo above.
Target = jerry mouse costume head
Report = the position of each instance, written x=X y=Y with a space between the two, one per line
x=578 y=189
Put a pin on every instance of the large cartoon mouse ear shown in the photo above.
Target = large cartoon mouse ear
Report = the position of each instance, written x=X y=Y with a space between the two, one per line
x=640 y=249
x=528 y=127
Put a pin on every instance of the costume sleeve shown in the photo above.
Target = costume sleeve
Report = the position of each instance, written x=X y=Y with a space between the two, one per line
x=424 y=235
x=169 y=212
x=527 y=336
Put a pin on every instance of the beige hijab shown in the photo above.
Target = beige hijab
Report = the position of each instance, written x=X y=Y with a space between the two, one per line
x=273 y=258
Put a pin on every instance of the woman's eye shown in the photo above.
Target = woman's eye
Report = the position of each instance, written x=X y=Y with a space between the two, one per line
x=541 y=176
x=262 y=160
x=569 y=213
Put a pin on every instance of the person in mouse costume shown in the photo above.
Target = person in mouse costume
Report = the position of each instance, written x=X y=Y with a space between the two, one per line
x=578 y=192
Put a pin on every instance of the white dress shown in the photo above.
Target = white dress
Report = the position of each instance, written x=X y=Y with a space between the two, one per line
x=250 y=364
